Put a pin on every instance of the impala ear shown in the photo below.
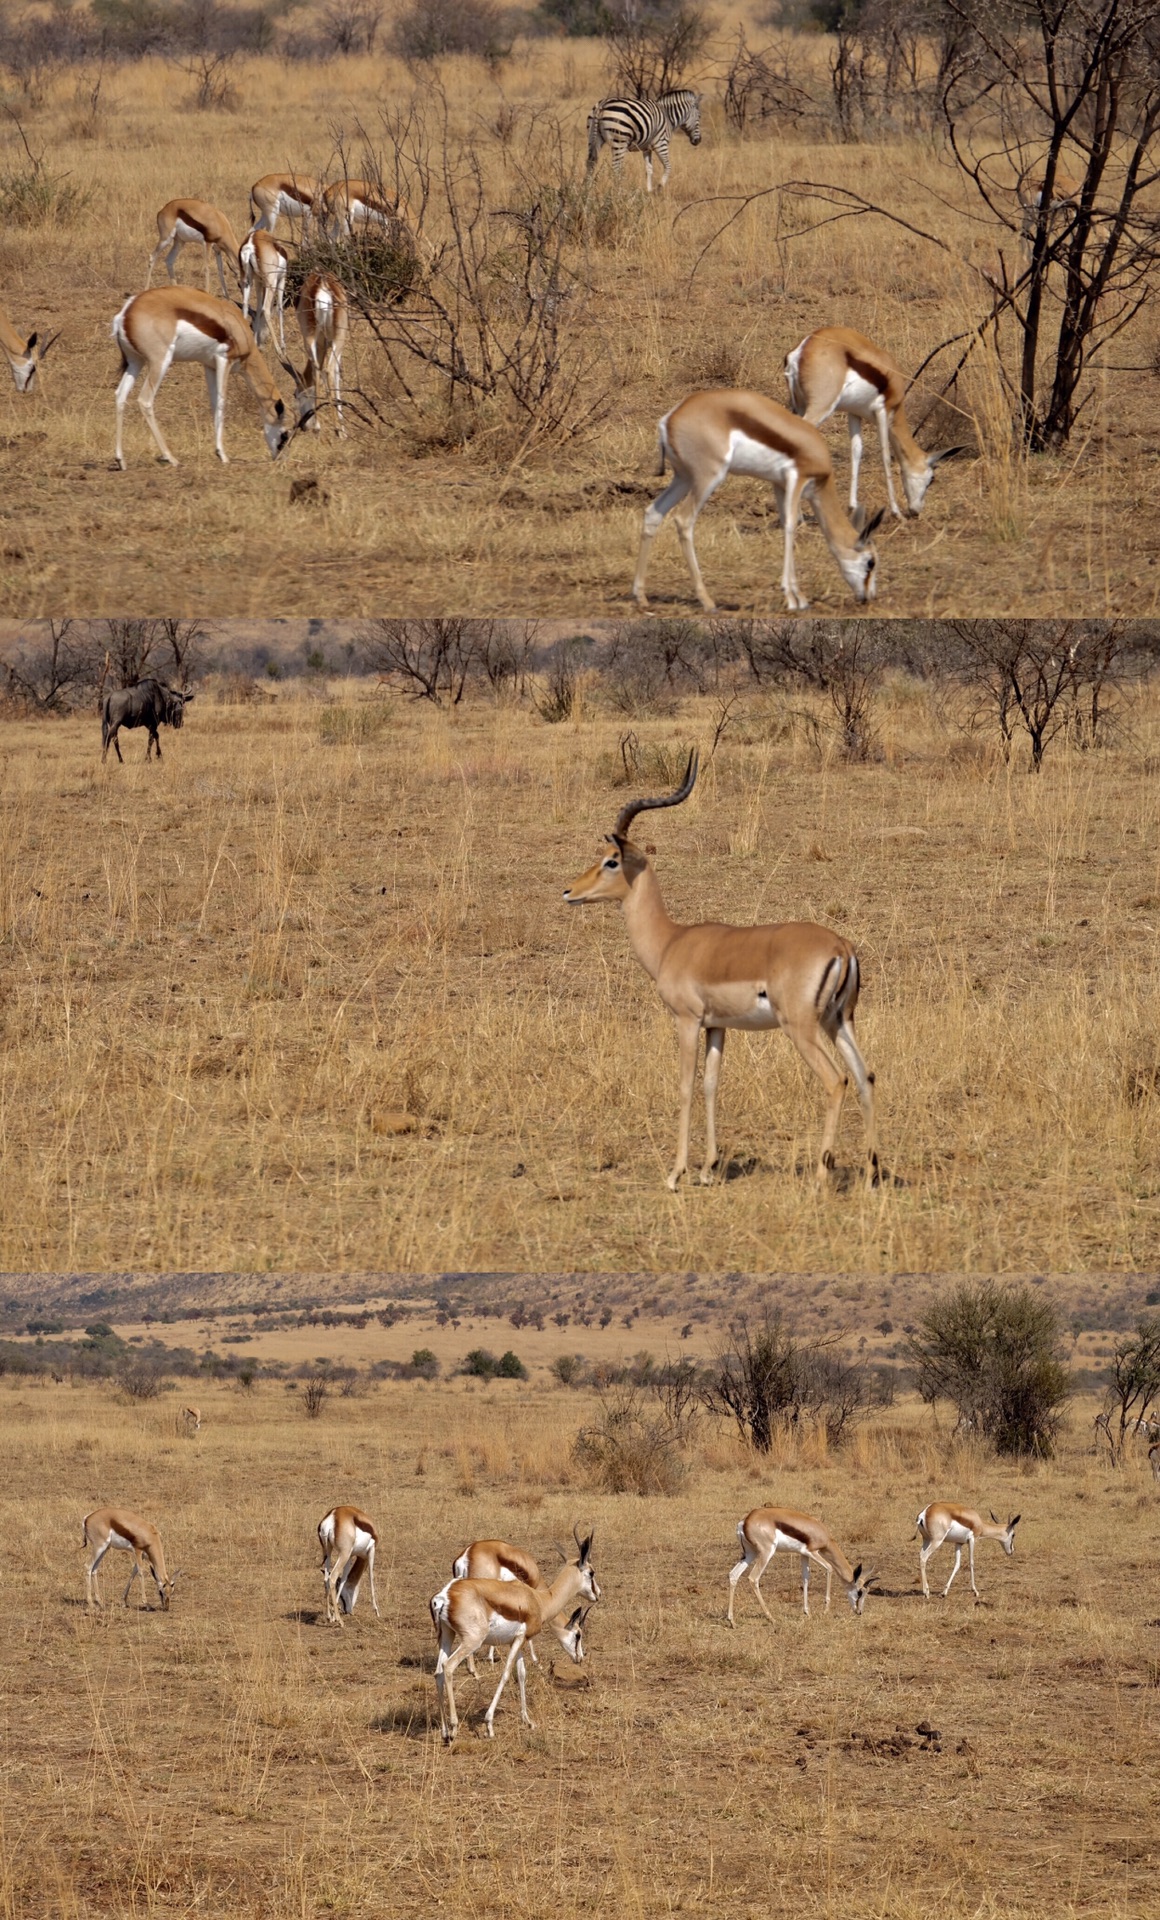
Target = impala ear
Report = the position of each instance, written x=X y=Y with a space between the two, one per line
x=867 y=531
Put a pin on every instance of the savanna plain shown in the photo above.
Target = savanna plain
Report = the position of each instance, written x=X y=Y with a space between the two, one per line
x=238 y=1756
x=305 y=994
x=454 y=496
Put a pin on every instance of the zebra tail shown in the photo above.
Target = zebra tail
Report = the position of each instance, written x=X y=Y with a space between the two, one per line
x=593 y=138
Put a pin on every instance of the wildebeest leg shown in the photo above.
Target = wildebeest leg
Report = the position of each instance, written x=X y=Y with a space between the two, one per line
x=154 y=740
x=116 y=746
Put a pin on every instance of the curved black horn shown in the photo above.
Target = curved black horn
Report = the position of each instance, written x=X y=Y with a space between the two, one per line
x=627 y=815
x=994 y=1516
x=947 y=453
x=52 y=338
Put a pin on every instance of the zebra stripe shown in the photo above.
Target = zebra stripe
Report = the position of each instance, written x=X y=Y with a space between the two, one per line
x=644 y=126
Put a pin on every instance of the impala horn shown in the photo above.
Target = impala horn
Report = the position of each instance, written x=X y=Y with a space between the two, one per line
x=627 y=815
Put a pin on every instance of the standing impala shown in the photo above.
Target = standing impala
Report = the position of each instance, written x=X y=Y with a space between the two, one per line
x=182 y=222
x=116 y=1527
x=711 y=435
x=766 y=1529
x=472 y=1614
x=794 y=975
x=165 y=324
x=348 y=1541
x=23 y=356
x=962 y=1526
x=836 y=370
x=323 y=310
x=499 y=1560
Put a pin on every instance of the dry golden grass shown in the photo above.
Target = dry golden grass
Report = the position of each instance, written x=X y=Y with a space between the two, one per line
x=236 y=1757
x=284 y=1003
x=413 y=527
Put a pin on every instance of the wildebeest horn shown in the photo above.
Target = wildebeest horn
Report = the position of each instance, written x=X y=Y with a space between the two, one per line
x=627 y=815
x=948 y=453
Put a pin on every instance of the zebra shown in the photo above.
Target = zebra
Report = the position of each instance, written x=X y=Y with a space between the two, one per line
x=643 y=126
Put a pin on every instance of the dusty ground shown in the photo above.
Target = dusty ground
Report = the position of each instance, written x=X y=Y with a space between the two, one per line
x=304 y=996
x=421 y=520
x=236 y=1757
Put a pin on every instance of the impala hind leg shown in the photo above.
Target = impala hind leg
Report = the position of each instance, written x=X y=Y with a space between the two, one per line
x=834 y=1081
x=847 y=1046
x=688 y=1036
x=654 y=520
x=714 y=1050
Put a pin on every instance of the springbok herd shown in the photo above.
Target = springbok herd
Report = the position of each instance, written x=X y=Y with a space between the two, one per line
x=708 y=436
x=497 y=1596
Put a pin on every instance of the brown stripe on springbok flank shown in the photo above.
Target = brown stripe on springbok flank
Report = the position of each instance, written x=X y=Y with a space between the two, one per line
x=745 y=420
x=207 y=323
x=874 y=375
x=188 y=219
x=792 y=1532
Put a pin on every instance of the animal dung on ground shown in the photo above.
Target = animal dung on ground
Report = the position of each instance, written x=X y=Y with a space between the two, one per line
x=308 y=492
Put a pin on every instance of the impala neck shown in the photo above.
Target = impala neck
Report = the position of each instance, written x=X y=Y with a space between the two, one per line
x=647 y=920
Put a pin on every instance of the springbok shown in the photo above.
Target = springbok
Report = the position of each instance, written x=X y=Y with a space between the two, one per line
x=116 y=1527
x=471 y=1614
x=191 y=1415
x=348 y=1540
x=164 y=324
x=723 y=431
x=794 y=975
x=182 y=222
x=962 y=1526
x=294 y=194
x=23 y=356
x=323 y=312
x=264 y=262
x=836 y=370
x=766 y=1529
x=499 y=1560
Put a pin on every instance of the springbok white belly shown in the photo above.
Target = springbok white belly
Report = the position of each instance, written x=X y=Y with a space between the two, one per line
x=754 y=458
x=190 y=343
x=183 y=231
x=858 y=395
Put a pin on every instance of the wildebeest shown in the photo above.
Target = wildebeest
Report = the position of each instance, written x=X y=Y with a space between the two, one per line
x=149 y=704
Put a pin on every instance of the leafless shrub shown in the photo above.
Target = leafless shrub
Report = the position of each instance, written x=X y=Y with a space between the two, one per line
x=653 y=44
x=428 y=29
x=843 y=659
x=140 y=1382
x=1043 y=679
x=211 y=71
x=436 y=659
x=758 y=87
x=561 y=690
x=765 y=1380
x=313 y=1395
x=633 y=1447
x=55 y=667
x=351 y=26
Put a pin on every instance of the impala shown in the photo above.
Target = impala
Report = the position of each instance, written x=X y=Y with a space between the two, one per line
x=962 y=1526
x=323 y=312
x=116 y=1527
x=275 y=194
x=181 y=222
x=836 y=370
x=472 y=1614
x=24 y=356
x=766 y=1529
x=711 y=435
x=498 y=1560
x=348 y=1540
x=165 y=324
x=795 y=975
x=264 y=263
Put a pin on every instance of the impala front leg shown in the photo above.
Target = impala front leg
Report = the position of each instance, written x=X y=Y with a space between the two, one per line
x=714 y=1050
x=688 y=1036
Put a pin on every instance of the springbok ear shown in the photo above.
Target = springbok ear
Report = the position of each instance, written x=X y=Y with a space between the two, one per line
x=994 y=1515
x=31 y=342
x=577 y=1619
x=867 y=532
x=948 y=453
x=858 y=518
x=279 y=408
x=857 y=1573
x=287 y=368
x=1012 y=1524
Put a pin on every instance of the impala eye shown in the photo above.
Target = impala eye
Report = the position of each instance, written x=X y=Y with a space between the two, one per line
x=610 y=866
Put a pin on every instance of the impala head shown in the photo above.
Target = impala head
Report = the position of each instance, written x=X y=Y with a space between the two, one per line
x=572 y=1638
x=25 y=365
x=1007 y=1541
x=859 y=561
x=612 y=876
x=859 y=1587
x=591 y=1586
x=916 y=480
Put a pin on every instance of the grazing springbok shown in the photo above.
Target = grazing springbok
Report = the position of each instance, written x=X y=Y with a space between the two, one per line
x=116 y=1527
x=472 y=1614
x=191 y=1415
x=766 y=1529
x=723 y=431
x=962 y=1526
x=348 y=1540
x=23 y=356
x=499 y=1560
x=294 y=194
x=836 y=370
x=795 y=975
x=264 y=262
x=323 y=311
x=164 y=324
x=182 y=222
